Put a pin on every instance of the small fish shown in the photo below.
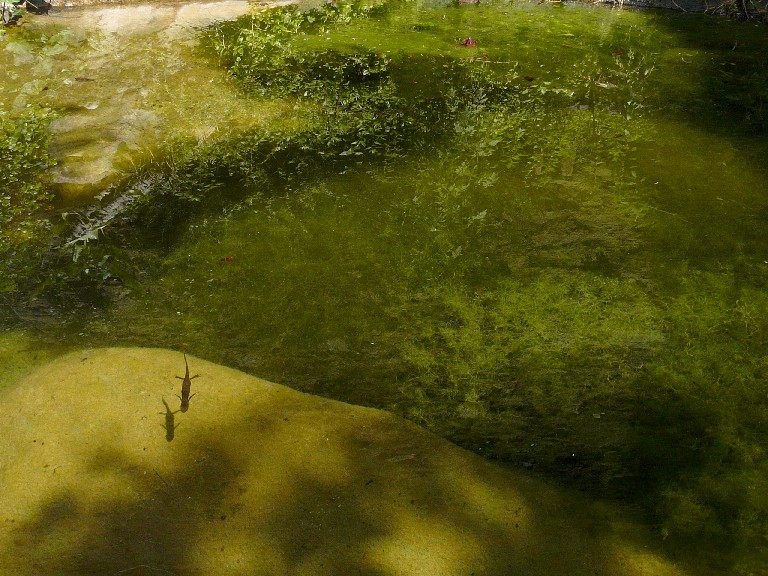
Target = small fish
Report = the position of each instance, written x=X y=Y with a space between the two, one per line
x=83 y=79
x=529 y=78
x=186 y=386
x=228 y=258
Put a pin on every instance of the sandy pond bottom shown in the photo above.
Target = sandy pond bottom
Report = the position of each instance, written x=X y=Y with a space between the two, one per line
x=257 y=478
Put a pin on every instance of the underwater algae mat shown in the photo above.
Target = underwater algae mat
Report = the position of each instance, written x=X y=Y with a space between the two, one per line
x=256 y=478
x=512 y=244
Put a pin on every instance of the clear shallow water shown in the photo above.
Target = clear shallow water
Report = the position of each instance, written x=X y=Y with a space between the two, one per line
x=123 y=80
x=573 y=282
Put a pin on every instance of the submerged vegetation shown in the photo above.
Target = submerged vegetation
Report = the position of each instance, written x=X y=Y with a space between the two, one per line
x=24 y=159
x=507 y=242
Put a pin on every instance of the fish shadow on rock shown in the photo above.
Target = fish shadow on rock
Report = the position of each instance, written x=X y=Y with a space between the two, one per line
x=170 y=425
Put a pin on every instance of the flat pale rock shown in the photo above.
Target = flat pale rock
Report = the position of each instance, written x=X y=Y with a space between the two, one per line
x=258 y=479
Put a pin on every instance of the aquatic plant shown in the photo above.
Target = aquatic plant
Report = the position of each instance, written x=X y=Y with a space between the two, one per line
x=24 y=196
x=261 y=49
x=493 y=243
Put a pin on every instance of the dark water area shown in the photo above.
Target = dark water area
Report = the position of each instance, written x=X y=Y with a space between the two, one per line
x=546 y=245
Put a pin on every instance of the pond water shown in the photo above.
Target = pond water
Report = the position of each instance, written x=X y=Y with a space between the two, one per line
x=123 y=80
x=546 y=244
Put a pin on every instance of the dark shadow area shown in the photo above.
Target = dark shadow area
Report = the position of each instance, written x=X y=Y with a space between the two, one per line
x=148 y=534
x=441 y=505
x=725 y=90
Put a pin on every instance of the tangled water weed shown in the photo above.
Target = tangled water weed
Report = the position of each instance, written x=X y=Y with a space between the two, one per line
x=23 y=195
x=511 y=243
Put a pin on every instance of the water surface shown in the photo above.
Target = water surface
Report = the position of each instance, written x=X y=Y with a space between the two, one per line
x=562 y=267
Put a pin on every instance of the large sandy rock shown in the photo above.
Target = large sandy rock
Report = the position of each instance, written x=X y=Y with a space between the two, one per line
x=258 y=479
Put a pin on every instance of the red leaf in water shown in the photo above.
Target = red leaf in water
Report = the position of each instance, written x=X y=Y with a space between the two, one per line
x=228 y=258
x=469 y=42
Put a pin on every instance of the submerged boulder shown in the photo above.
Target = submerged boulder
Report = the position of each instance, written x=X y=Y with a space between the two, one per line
x=102 y=475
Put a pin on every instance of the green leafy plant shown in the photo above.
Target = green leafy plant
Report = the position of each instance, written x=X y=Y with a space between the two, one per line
x=24 y=196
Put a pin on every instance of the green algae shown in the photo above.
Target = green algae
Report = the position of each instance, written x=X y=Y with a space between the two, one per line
x=24 y=140
x=512 y=244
